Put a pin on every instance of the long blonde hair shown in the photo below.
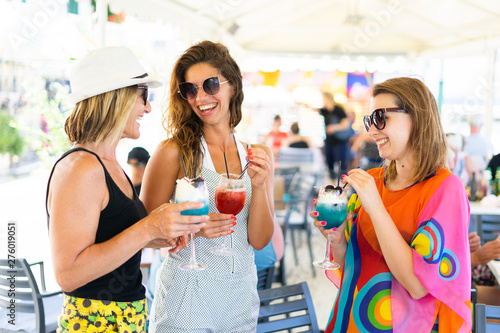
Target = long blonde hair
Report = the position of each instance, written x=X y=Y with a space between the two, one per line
x=427 y=138
x=180 y=121
x=101 y=117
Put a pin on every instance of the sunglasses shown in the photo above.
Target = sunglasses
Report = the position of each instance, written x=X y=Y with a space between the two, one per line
x=210 y=86
x=377 y=118
x=144 y=93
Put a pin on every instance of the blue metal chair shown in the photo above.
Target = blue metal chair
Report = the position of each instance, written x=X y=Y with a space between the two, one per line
x=481 y=315
x=35 y=310
x=285 y=308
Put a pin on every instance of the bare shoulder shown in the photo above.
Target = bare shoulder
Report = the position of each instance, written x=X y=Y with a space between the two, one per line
x=79 y=176
x=167 y=149
x=79 y=166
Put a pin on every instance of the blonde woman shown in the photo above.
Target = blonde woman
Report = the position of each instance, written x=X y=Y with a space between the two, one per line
x=97 y=224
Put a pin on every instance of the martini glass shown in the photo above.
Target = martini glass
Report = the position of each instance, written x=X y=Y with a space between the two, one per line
x=332 y=208
x=230 y=196
x=192 y=190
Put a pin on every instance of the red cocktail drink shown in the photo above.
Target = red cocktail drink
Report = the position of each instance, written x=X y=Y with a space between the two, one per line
x=230 y=201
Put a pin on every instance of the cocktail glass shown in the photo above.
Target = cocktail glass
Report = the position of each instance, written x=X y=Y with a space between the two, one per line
x=230 y=196
x=192 y=190
x=332 y=208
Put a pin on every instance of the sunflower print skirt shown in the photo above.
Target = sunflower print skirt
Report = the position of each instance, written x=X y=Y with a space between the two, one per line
x=88 y=315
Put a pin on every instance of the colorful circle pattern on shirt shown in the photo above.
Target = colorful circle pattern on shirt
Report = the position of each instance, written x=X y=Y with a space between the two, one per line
x=429 y=241
x=372 y=306
x=449 y=266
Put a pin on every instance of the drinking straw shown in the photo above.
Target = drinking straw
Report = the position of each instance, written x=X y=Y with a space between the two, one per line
x=183 y=167
x=347 y=183
x=338 y=178
x=225 y=162
x=244 y=169
x=195 y=164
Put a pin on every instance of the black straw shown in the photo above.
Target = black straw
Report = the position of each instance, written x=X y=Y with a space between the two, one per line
x=183 y=167
x=225 y=162
x=195 y=164
x=340 y=171
x=244 y=169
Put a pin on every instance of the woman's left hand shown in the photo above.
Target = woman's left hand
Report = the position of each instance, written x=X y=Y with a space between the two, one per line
x=366 y=189
x=259 y=168
x=178 y=244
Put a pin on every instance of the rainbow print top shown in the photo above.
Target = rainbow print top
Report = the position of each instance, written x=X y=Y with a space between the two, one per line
x=433 y=218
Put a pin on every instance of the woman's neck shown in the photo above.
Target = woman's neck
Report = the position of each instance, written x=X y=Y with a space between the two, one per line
x=404 y=170
x=105 y=151
x=218 y=137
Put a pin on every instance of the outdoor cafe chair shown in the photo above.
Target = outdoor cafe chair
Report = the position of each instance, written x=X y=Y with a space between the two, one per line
x=33 y=310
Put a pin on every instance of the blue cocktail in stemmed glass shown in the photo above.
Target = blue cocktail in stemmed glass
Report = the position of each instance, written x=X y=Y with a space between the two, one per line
x=192 y=190
x=332 y=208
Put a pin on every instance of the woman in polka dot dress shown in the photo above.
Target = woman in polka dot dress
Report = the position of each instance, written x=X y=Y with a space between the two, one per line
x=204 y=109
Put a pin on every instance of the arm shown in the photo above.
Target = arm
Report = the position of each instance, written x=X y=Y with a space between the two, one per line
x=78 y=193
x=486 y=253
x=261 y=215
x=397 y=253
x=343 y=125
x=163 y=169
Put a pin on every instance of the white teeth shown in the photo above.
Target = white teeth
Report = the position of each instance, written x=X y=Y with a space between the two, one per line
x=208 y=106
x=381 y=142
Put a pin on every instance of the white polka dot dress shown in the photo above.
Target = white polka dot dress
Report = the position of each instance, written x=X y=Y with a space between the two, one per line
x=222 y=298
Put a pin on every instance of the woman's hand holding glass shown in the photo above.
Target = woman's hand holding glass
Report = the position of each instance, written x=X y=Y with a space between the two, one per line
x=331 y=209
x=166 y=224
x=219 y=225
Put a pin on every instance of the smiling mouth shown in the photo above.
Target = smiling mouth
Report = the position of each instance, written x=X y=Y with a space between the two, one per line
x=207 y=107
x=381 y=142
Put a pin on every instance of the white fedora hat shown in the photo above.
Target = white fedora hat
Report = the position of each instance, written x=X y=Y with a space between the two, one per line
x=104 y=70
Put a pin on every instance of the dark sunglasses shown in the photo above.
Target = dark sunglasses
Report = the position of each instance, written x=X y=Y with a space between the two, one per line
x=377 y=118
x=144 y=93
x=210 y=86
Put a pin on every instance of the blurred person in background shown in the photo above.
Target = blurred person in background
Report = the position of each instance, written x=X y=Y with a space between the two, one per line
x=97 y=223
x=337 y=133
x=137 y=158
x=480 y=256
x=295 y=140
x=456 y=156
x=478 y=148
x=276 y=137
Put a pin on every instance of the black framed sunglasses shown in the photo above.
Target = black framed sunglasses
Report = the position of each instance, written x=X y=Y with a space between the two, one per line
x=377 y=118
x=144 y=93
x=210 y=86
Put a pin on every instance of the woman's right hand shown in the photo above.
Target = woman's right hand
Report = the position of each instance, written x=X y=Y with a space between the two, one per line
x=167 y=222
x=336 y=235
x=219 y=225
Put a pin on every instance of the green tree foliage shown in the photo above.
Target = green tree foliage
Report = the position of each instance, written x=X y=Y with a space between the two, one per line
x=11 y=141
x=53 y=139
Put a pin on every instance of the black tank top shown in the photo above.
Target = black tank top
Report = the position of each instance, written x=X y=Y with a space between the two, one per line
x=123 y=284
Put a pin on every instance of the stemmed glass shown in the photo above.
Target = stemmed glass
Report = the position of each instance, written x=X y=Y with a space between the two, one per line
x=332 y=208
x=192 y=190
x=230 y=196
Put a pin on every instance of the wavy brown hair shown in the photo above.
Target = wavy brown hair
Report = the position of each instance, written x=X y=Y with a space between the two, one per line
x=427 y=138
x=179 y=120
x=100 y=117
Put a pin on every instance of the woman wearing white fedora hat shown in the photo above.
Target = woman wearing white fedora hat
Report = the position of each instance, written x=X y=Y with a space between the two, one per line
x=97 y=223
